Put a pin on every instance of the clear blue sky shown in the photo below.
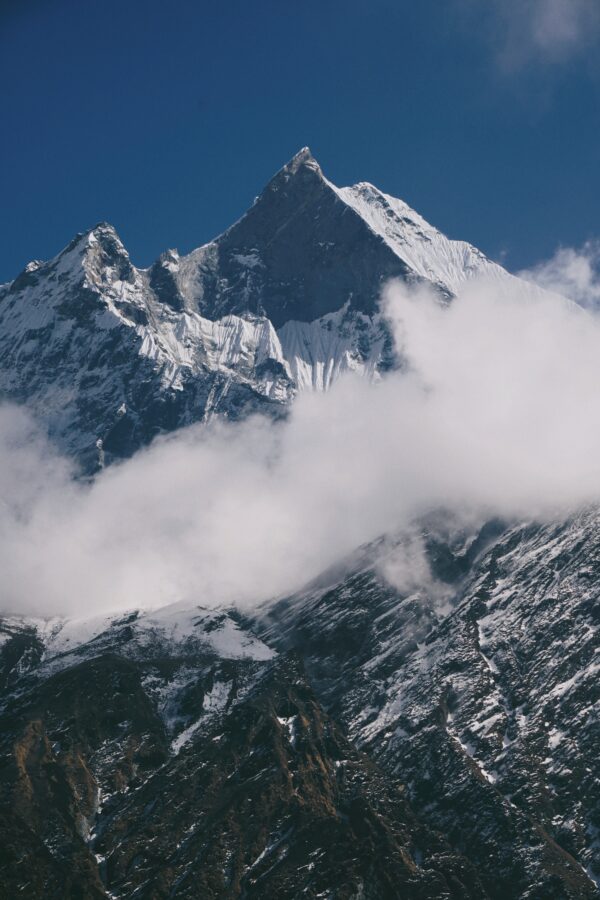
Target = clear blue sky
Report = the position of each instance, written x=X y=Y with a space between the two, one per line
x=167 y=118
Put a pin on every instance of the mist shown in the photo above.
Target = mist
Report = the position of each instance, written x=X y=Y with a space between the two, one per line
x=494 y=413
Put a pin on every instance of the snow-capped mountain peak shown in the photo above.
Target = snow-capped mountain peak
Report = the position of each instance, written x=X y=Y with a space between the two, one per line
x=285 y=299
x=182 y=751
x=302 y=159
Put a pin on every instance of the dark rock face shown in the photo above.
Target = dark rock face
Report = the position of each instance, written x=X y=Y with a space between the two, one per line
x=489 y=709
x=312 y=253
x=163 y=281
x=267 y=798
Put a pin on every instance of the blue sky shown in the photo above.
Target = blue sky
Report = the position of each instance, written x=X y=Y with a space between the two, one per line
x=167 y=120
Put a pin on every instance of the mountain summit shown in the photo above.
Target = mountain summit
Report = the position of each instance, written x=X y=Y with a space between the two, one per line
x=306 y=248
x=285 y=299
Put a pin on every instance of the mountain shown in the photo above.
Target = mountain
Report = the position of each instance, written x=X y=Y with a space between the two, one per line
x=358 y=739
x=173 y=756
x=353 y=740
x=107 y=355
x=486 y=702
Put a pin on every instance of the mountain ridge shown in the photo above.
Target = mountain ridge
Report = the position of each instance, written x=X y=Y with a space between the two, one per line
x=284 y=300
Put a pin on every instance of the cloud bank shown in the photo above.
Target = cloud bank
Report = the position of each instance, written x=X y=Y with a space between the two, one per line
x=495 y=413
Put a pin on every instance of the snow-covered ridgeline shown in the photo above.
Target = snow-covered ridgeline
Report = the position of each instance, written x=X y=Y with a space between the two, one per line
x=285 y=300
x=428 y=252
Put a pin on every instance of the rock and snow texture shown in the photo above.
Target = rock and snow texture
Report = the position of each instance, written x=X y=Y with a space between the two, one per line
x=89 y=348
x=204 y=769
x=178 y=625
x=488 y=703
x=476 y=703
x=108 y=355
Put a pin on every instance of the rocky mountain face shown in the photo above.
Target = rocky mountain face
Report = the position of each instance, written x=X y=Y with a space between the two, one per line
x=175 y=755
x=108 y=355
x=486 y=701
x=354 y=740
x=360 y=739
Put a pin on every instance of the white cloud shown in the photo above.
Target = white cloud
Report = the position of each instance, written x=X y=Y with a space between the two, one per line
x=574 y=273
x=559 y=27
x=538 y=31
x=404 y=564
x=498 y=415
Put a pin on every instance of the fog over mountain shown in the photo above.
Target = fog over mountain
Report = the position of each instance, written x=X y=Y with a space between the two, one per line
x=480 y=420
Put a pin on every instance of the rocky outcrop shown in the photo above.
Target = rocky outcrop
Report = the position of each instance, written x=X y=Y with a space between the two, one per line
x=483 y=695
x=261 y=796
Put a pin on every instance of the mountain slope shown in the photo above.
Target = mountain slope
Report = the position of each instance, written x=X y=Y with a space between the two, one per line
x=168 y=755
x=441 y=743
x=486 y=700
x=86 y=345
